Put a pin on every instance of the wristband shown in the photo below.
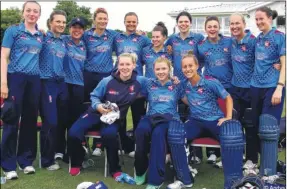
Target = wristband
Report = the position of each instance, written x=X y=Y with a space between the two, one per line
x=279 y=83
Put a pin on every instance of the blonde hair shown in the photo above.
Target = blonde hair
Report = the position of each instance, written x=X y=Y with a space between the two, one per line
x=132 y=56
x=165 y=60
x=240 y=15
x=100 y=10
x=190 y=55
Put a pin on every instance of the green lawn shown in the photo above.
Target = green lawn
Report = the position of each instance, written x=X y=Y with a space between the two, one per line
x=208 y=177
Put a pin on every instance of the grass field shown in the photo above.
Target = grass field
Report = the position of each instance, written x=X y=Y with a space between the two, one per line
x=208 y=176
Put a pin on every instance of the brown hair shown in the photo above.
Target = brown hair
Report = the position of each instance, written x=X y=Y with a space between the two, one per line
x=56 y=12
x=190 y=55
x=99 y=10
x=210 y=18
x=132 y=14
x=268 y=11
x=24 y=5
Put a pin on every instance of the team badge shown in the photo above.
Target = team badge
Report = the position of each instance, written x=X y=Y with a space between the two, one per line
x=135 y=40
x=243 y=48
x=154 y=87
x=105 y=38
x=131 y=88
x=225 y=49
x=200 y=90
x=82 y=48
x=267 y=43
x=39 y=39
x=191 y=42
x=170 y=88
x=163 y=56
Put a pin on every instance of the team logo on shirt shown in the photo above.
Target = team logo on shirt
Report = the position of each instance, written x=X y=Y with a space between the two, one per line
x=170 y=88
x=154 y=87
x=105 y=38
x=23 y=37
x=49 y=41
x=191 y=42
x=163 y=56
x=206 y=53
x=135 y=39
x=70 y=44
x=113 y=92
x=132 y=89
x=267 y=44
x=39 y=39
x=187 y=91
x=243 y=48
x=82 y=48
x=225 y=49
x=120 y=40
x=200 y=90
x=148 y=56
x=175 y=42
x=92 y=39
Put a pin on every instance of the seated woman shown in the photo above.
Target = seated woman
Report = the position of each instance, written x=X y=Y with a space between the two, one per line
x=161 y=120
x=121 y=88
x=205 y=115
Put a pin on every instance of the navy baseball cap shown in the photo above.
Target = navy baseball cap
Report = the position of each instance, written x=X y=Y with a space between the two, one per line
x=79 y=21
x=8 y=111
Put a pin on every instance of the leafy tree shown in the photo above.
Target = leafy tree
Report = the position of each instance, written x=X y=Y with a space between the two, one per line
x=9 y=17
x=149 y=35
x=120 y=31
x=73 y=10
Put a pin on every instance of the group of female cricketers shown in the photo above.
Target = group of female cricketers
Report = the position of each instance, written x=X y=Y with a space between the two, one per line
x=52 y=75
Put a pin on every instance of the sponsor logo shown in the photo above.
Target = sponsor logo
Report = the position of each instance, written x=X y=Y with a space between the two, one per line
x=243 y=48
x=154 y=87
x=191 y=42
x=267 y=43
x=170 y=88
x=39 y=39
x=200 y=90
x=225 y=49
x=132 y=88
x=113 y=92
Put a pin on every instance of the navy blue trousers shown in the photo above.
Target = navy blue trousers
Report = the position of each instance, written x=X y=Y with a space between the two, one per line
x=75 y=109
x=54 y=114
x=25 y=90
x=261 y=104
x=87 y=121
x=154 y=137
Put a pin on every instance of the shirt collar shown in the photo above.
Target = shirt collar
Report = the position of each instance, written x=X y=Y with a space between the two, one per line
x=245 y=38
x=200 y=83
x=261 y=35
x=80 y=44
x=92 y=32
x=23 y=28
x=163 y=50
x=218 y=42
x=168 y=83
x=51 y=34
x=191 y=35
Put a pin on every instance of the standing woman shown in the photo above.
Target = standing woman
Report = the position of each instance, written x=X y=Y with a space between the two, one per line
x=267 y=87
x=161 y=122
x=151 y=53
x=243 y=59
x=20 y=84
x=54 y=93
x=132 y=42
x=99 y=43
x=73 y=68
x=215 y=52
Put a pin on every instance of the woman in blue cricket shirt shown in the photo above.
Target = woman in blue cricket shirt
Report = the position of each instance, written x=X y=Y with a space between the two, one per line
x=73 y=68
x=267 y=85
x=162 y=120
x=205 y=115
x=215 y=52
x=20 y=83
x=54 y=92
x=122 y=88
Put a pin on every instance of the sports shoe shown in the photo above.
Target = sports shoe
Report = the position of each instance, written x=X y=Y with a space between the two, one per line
x=249 y=165
x=178 y=185
x=53 y=167
x=193 y=171
x=132 y=154
x=59 y=156
x=75 y=171
x=29 y=170
x=119 y=152
x=167 y=158
x=149 y=186
x=218 y=165
x=11 y=175
x=195 y=160
x=97 y=152
x=212 y=159
x=140 y=179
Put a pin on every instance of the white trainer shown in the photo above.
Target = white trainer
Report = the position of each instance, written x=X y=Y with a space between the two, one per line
x=29 y=170
x=97 y=152
x=132 y=154
x=123 y=152
x=59 y=156
x=212 y=159
x=195 y=160
x=167 y=158
x=193 y=171
x=178 y=185
x=11 y=175
x=53 y=167
x=218 y=165
x=249 y=165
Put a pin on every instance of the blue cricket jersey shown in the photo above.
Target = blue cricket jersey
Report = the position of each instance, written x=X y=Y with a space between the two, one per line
x=268 y=50
x=149 y=56
x=243 y=59
x=180 y=48
x=99 y=50
x=52 y=57
x=113 y=89
x=202 y=99
x=74 y=61
x=124 y=43
x=163 y=98
x=217 y=59
x=24 y=49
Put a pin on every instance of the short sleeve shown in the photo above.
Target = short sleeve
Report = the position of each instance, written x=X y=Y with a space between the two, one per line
x=8 y=38
x=218 y=88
